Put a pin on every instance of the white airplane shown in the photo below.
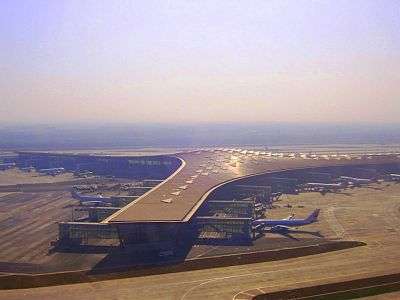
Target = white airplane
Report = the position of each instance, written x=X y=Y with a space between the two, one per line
x=325 y=187
x=52 y=171
x=285 y=224
x=395 y=177
x=6 y=166
x=84 y=174
x=355 y=180
x=94 y=203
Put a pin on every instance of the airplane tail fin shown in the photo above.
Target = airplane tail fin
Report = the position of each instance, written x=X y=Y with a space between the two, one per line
x=313 y=216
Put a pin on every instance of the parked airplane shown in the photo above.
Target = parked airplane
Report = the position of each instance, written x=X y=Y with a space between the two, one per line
x=276 y=195
x=94 y=203
x=355 y=180
x=6 y=166
x=324 y=187
x=27 y=169
x=87 y=198
x=84 y=174
x=395 y=177
x=52 y=171
x=285 y=224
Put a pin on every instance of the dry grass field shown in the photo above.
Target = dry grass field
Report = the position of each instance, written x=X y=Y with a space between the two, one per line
x=16 y=176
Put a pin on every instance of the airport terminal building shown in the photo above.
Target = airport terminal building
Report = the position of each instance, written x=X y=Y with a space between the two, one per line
x=200 y=195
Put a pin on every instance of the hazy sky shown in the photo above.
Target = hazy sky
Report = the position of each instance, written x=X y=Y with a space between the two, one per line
x=211 y=61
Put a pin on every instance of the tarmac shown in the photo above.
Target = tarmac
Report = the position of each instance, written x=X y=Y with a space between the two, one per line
x=28 y=223
x=369 y=214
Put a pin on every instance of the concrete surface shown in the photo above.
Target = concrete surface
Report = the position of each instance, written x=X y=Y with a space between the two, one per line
x=369 y=214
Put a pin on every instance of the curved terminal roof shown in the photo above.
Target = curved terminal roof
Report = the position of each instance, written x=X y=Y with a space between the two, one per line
x=177 y=198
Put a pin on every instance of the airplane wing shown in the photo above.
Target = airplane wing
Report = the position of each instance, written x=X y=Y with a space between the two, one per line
x=280 y=229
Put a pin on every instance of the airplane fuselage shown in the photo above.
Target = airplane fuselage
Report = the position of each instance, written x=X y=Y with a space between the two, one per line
x=356 y=180
x=395 y=177
x=313 y=217
x=288 y=223
x=324 y=184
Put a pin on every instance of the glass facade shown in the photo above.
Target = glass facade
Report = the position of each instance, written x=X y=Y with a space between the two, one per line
x=224 y=227
x=140 y=233
x=84 y=233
